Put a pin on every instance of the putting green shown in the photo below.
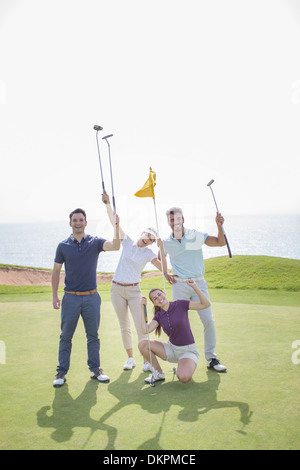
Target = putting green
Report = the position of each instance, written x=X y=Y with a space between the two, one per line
x=254 y=406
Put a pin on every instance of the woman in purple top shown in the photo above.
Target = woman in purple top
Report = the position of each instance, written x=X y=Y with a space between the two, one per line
x=173 y=318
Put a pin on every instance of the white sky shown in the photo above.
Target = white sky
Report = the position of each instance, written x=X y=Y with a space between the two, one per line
x=198 y=90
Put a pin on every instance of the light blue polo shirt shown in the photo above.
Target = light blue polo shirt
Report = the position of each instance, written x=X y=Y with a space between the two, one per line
x=186 y=257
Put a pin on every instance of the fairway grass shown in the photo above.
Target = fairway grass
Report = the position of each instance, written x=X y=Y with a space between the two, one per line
x=255 y=405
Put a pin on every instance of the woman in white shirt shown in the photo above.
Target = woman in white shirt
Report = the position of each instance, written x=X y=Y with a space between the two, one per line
x=125 y=289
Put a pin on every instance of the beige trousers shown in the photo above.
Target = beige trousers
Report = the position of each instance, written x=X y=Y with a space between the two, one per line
x=123 y=297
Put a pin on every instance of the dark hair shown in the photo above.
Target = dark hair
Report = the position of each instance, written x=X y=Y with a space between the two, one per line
x=174 y=210
x=156 y=309
x=77 y=211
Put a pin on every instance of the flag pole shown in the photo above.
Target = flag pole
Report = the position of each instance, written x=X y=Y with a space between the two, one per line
x=148 y=191
x=162 y=268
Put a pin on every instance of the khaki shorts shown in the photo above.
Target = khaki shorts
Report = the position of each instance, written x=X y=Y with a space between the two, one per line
x=175 y=353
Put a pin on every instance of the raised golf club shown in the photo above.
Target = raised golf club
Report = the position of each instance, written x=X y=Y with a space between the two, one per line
x=99 y=128
x=111 y=175
x=146 y=321
x=228 y=247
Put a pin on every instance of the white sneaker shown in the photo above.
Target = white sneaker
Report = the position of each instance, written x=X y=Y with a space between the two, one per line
x=98 y=375
x=155 y=377
x=215 y=365
x=147 y=367
x=129 y=364
x=59 y=380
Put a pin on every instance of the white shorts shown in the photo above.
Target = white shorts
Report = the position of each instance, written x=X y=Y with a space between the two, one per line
x=175 y=353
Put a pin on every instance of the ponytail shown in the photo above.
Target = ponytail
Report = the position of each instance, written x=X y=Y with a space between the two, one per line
x=156 y=309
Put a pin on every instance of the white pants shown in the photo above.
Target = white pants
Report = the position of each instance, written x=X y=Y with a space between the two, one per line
x=123 y=297
x=181 y=290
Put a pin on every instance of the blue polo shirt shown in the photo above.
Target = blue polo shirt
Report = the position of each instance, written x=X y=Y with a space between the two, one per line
x=80 y=261
x=186 y=257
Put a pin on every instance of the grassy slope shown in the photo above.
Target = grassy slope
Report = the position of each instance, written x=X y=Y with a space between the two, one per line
x=253 y=272
x=242 y=279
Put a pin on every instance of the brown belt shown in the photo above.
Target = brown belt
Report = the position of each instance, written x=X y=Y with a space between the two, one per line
x=89 y=292
x=126 y=285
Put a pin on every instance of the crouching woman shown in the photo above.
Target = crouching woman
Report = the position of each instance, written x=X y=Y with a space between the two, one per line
x=173 y=318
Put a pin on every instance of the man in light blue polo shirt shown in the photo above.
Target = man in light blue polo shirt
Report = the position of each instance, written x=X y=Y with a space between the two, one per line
x=184 y=247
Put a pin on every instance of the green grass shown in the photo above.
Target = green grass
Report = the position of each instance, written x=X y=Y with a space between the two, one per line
x=253 y=272
x=254 y=406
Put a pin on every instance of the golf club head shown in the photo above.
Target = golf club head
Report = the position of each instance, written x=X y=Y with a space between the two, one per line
x=98 y=128
x=211 y=182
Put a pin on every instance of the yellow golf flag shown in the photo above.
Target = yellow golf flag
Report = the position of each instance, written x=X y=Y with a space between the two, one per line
x=148 y=188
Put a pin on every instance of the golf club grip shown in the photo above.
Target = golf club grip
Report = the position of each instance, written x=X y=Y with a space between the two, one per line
x=145 y=314
x=228 y=247
x=103 y=189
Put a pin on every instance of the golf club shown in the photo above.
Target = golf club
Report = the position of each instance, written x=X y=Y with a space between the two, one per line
x=146 y=321
x=111 y=177
x=228 y=247
x=99 y=128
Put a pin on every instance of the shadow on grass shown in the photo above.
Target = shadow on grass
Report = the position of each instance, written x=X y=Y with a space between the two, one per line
x=68 y=413
x=193 y=398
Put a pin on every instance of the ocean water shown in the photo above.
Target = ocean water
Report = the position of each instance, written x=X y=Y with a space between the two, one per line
x=34 y=244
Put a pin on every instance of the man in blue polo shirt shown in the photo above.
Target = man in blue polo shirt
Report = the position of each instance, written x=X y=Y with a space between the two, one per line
x=79 y=253
x=184 y=247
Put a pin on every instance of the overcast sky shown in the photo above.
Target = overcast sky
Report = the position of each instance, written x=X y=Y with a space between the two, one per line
x=198 y=90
